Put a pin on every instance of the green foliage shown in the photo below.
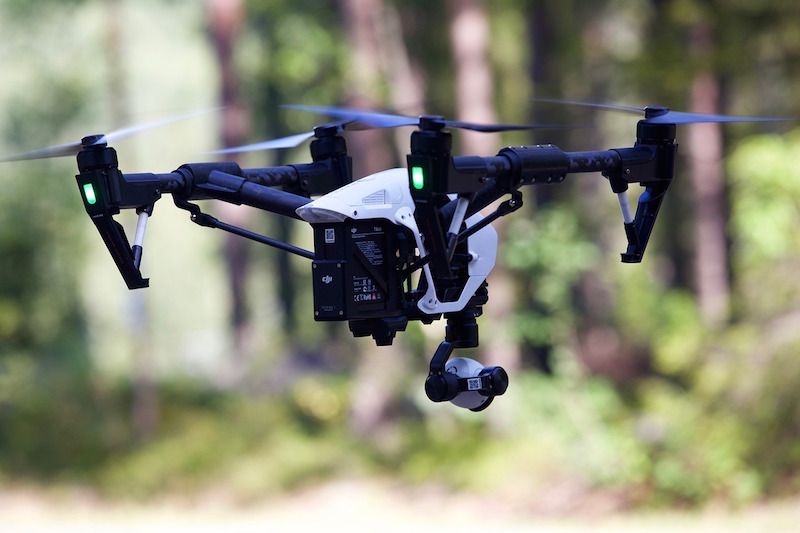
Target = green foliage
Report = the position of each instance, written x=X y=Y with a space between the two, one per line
x=39 y=302
x=52 y=421
x=553 y=252
x=251 y=444
x=664 y=320
x=297 y=57
x=717 y=415
x=765 y=200
x=40 y=239
x=55 y=423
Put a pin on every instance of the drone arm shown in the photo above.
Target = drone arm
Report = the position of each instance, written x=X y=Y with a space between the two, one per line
x=229 y=183
x=237 y=190
x=649 y=162
x=516 y=166
x=219 y=185
x=285 y=176
x=105 y=191
x=319 y=177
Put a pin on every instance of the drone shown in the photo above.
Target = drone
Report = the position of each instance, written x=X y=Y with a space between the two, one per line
x=404 y=244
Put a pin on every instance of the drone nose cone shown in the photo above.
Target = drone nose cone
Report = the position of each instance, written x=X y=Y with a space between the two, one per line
x=653 y=111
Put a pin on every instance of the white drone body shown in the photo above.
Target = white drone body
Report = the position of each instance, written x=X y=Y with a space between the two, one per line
x=386 y=195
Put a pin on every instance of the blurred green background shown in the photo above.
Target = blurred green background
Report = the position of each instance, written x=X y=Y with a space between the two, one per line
x=669 y=383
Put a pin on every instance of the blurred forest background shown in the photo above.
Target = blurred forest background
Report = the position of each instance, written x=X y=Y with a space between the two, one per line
x=671 y=382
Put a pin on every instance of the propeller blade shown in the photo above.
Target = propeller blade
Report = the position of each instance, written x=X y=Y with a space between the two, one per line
x=45 y=153
x=681 y=117
x=494 y=128
x=132 y=130
x=355 y=119
x=72 y=149
x=388 y=120
x=663 y=115
x=596 y=105
x=290 y=141
x=284 y=142
x=370 y=118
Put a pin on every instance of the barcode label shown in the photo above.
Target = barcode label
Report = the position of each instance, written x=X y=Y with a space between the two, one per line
x=474 y=384
x=330 y=236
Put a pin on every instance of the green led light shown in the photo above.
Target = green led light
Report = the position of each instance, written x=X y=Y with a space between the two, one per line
x=88 y=192
x=417 y=177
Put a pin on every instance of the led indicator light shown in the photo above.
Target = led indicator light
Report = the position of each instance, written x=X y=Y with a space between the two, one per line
x=417 y=177
x=88 y=192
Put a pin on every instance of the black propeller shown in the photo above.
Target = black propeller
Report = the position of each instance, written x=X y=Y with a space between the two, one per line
x=72 y=149
x=663 y=115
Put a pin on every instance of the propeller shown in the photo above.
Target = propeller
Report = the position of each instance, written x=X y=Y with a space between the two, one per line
x=72 y=149
x=663 y=115
x=387 y=120
x=284 y=142
x=289 y=141
x=355 y=119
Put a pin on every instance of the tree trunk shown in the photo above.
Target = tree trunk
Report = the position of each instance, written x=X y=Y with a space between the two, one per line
x=704 y=148
x=363 y=24
x=474 y=86
x=377 y=377
x=144 y=407
x=474 y=89
x=226 y=18
x=406 y=82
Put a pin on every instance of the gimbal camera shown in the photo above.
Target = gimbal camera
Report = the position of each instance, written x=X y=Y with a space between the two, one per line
x=396 y=246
